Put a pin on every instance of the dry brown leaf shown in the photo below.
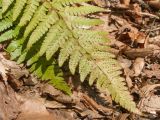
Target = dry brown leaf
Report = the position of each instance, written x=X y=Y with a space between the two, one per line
x=101 y=3
x=125 y=2
x=150 y=102
x=155 y=71
x=125 y=63
x=34 y=109
x=138 y=66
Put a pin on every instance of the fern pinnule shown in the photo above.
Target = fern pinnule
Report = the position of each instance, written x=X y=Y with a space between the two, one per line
x=82 y=10
x=94 y=75
x=74 y=60
x=42 y=28
x=66 y=51
x=32 y=60
x=16 y=53
x=84 y=22
x=38 y=16
x=50 y=37
x=6 y=36
x=30 y=9
x=18 y=7
x=45 y=69
x=6 y=4
x=57 y=43
x=85 y=67
x=69 y=2
x=5 y=24
x=13 y=45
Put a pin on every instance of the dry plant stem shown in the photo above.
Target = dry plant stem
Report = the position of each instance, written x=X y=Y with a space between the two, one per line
x=100 y=108
x=140 y=52
x=145 y=14
x=147 y=37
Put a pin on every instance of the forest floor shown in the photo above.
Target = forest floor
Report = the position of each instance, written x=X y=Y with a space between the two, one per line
x=133 y=26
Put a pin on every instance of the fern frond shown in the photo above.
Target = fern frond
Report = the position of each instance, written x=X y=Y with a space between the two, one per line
x=6 y=4
x=82 y=10
x=74 y=60
x=39 y=15
x=68 y=2
x=18 y=7
x=30 y=9
x=14 y=45
x=5 y=24
x=57 y=43
x=6 y=36
x=46 y=70
x=50 y=37
x=80 y=22
x=66 y=52
x=16 y=53
x=62 y=26
x=85 y=67
x=42 y=28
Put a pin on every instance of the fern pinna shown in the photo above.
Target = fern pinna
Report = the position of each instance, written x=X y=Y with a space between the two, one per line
x=45 y=27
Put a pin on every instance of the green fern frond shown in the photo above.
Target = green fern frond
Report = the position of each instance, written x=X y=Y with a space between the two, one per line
x=74 y=60
x=42 y=28
x=14 y=45
x=46 y=70
x=18 y=7
x=39 y=15
x=16 y=53
x=82 y=10
x=5 y=24
x=6 y=36
x=62 y=26
x=66 y=52
x=57 y=43
x=50 y=37
x=84 y=22
x=30 y=9
x=6 y=4
x=68 y=2
x=85 y=67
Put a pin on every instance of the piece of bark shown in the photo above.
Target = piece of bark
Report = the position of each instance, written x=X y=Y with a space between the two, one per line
x=34 y=109
x=9 y=106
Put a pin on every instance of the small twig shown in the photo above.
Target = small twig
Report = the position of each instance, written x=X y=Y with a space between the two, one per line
x=144 y=14
x=96 y=106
